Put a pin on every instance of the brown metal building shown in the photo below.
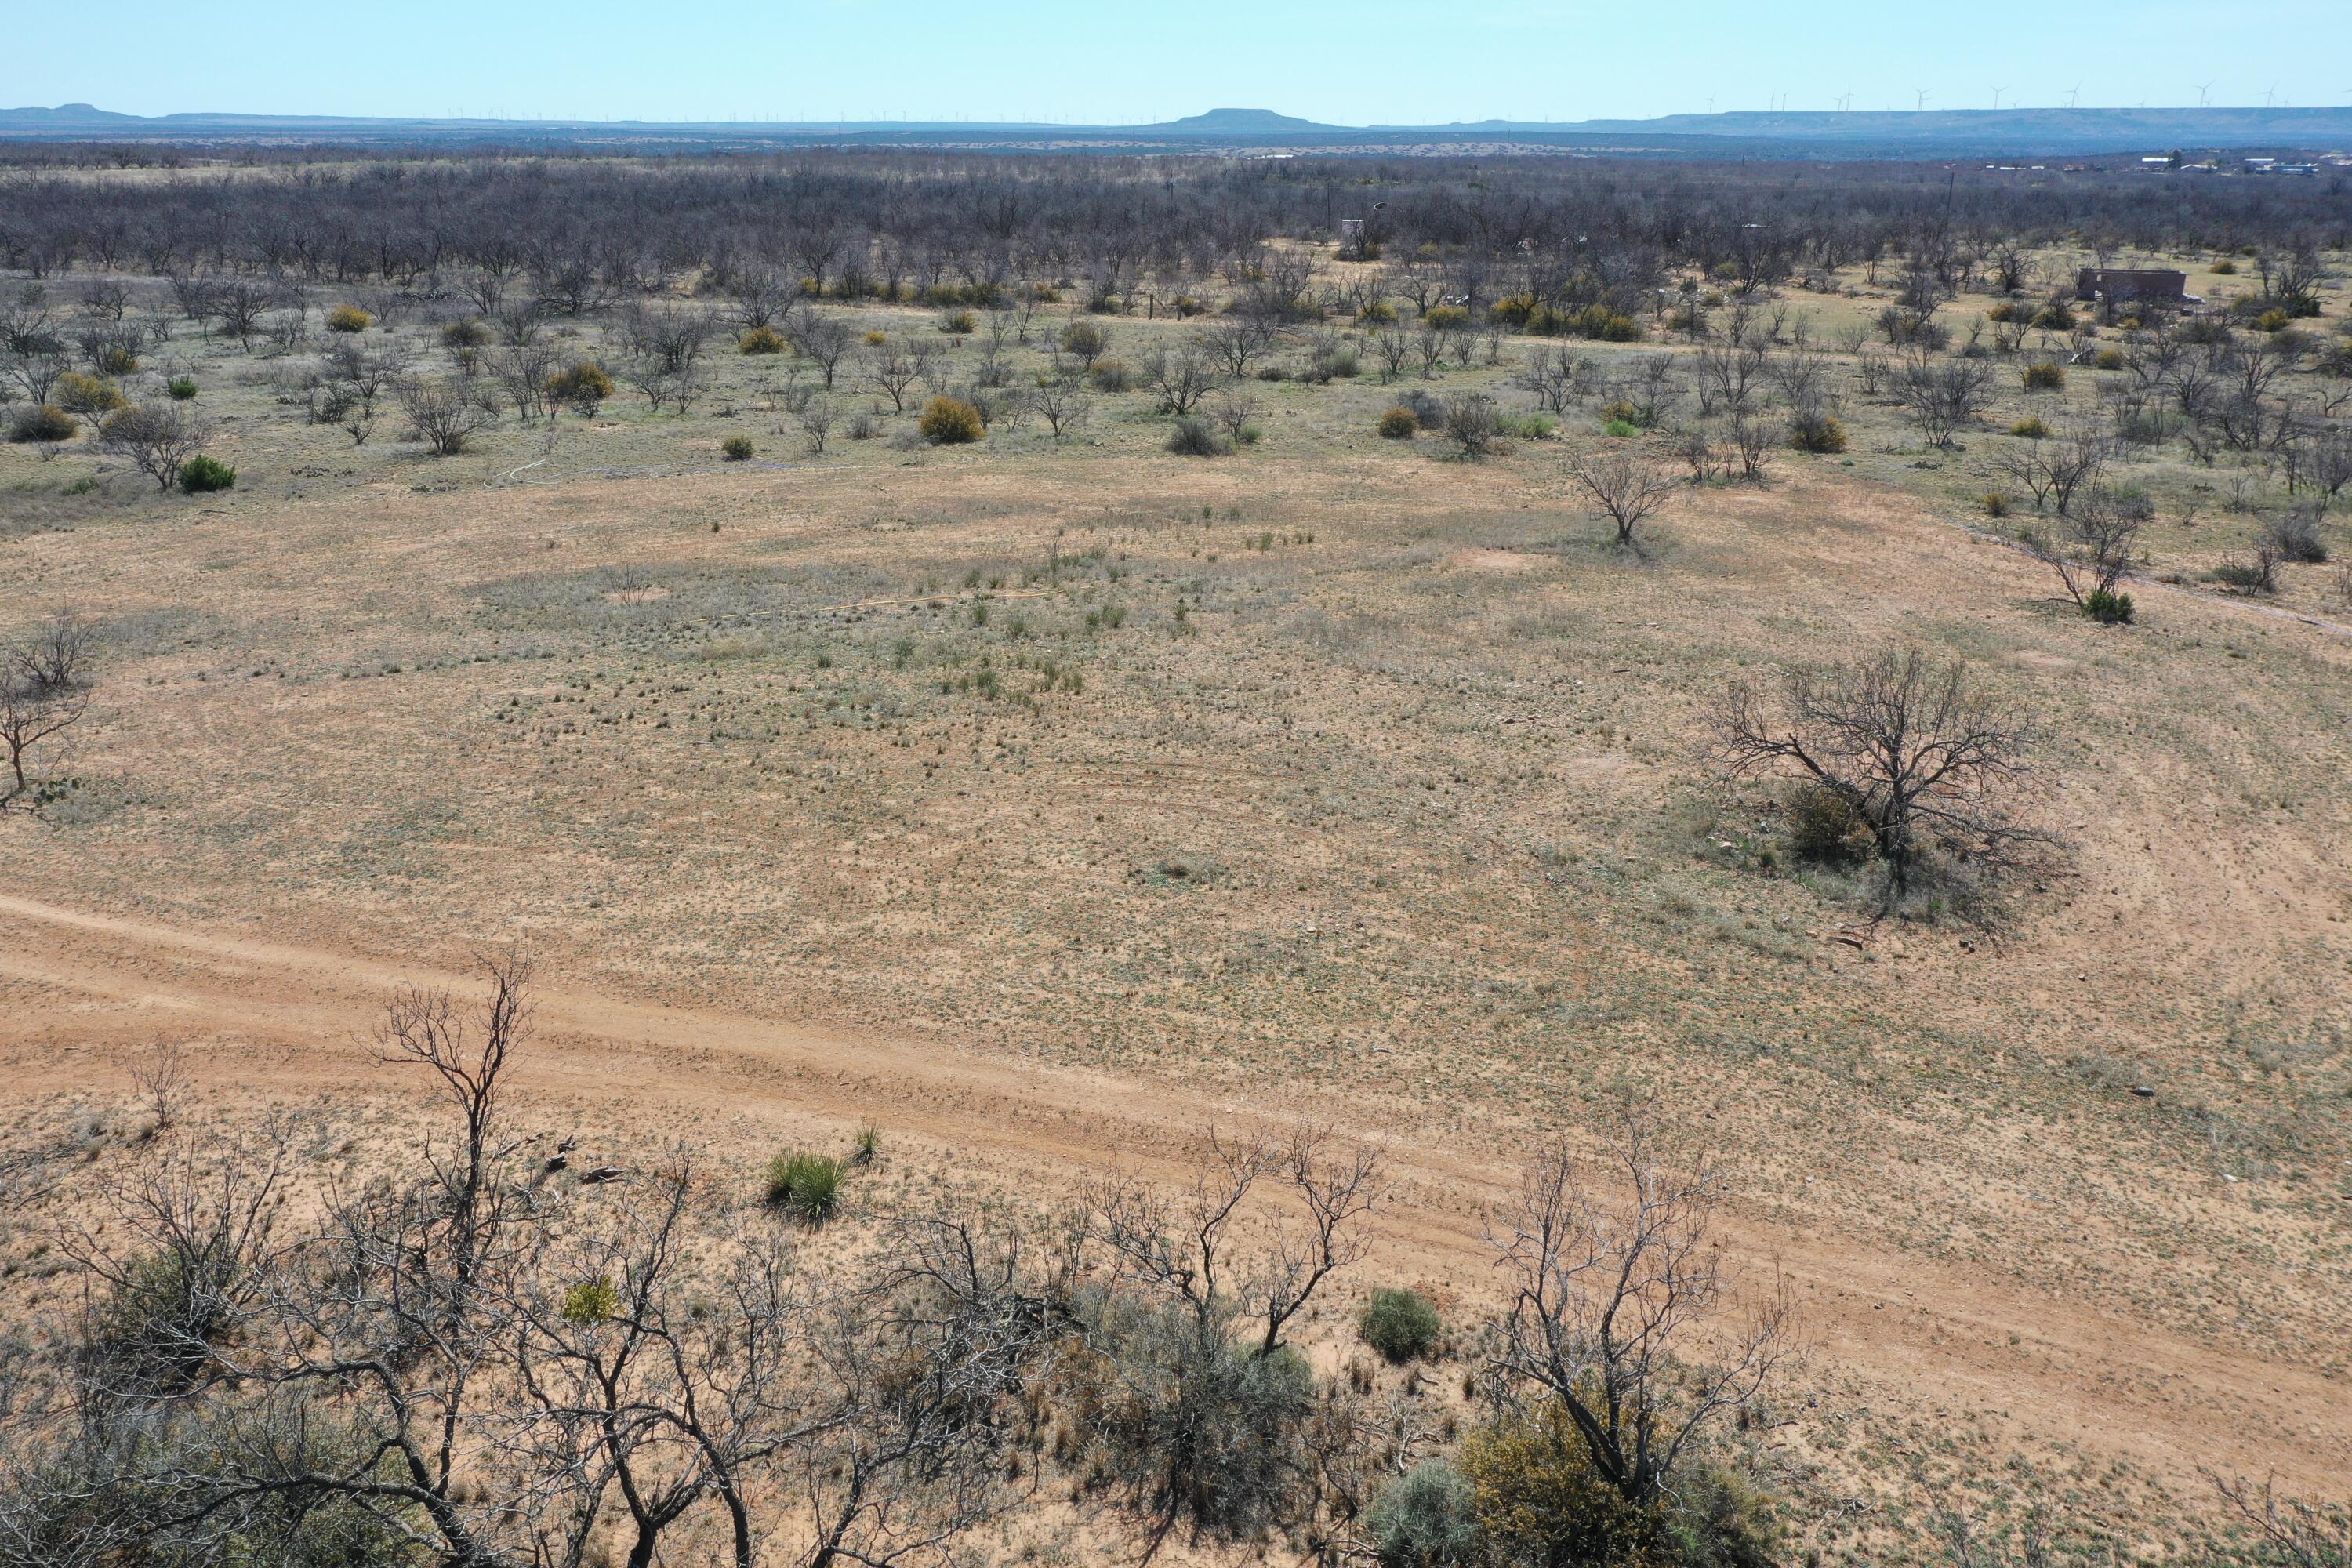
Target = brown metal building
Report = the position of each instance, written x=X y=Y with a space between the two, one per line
x=2118 y=284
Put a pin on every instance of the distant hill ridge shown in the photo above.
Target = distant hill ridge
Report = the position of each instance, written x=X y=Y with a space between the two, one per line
x=1802 y=133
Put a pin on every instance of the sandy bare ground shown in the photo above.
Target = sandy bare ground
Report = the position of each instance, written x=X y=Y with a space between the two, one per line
x=274 y=1020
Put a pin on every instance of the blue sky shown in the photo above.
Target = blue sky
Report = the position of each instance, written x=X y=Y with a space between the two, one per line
x=1083 y=60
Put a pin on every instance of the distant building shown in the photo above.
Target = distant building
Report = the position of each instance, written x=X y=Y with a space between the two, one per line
x=2118 y=284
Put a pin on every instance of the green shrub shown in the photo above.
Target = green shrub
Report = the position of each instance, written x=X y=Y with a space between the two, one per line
x=88 y=395
x=1610 y=326
x=806 y=1186
x=2271 y=321
x=1379 y=314
x=1428 y=410
x=1826 y=826
x=591 y=1302
x=1424 y=1519
x=1398 y=425
x=1183 y=1419
x=42 y=422
x=158 y=1322
x=2225 y=268
x=1618 y=429
x=1515 y=309
x=2293 y=536
x=1194 y=437
x=2109 y=359
x=1112 y=376
x=959 y=324
x=1086 y=340
x=348 y=319
x=950 y=421
x=468 y=333
x=584 y=386
x=2045 y=376
x=183 y=388
x=1995 y=504
x=760 y=341
x=2053 y=317
x=869 y=1137
x=2031 y=428
x=1446 y=317
x=116 y=359
x=735 y=448
x=1620 y=411
x=1537 y=1497
x=1814 y=430
x=2001 y=312
x=1719 y=1520
x=200 y=475
x=1525 y=427
x=2109 y=609
x=1399 y=1324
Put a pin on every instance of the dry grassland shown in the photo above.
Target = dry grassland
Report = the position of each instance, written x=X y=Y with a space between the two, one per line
x=1045 y=803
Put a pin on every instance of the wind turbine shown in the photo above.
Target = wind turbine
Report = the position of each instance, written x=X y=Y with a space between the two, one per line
x=1996 y=96
x=2269 y=93
x=1847 y=101
x=2073 y=93
x=1923 y=99
x=2202 y=89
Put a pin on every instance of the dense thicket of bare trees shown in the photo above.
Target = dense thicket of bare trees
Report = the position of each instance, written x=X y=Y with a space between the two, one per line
x=570 y=236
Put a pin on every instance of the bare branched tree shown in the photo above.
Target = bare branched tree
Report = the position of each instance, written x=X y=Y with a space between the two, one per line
x=1942 y=397
x=176 y=1273
x=2092 y=553
x=1916 y=751
x=161 y=1080
x=43 y=693
x=1623 y=484
x=1625 y=1314
x=442 y=413
x=2299 y=1534
x=158 y=438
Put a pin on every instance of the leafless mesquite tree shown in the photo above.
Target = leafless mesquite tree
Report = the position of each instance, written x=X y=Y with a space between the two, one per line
x=442 y=413
x=1062 y=406
x=1181 y=379
x=2093 y=550
x=157 y=438
x=43 y=692
x=1471 y=422
x=1624 y=1312
x=1942 y=395
x=1625 y=485
x=1916 y=748
x=1179 y=1322
x=2053 y=471
x=1187 y=1246
x=824 y=337
x=161 y=1080
x=816 y=417
x=2300 y=1534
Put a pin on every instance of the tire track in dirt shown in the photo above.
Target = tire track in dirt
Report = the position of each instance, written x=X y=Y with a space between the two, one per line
x=294 y=1019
